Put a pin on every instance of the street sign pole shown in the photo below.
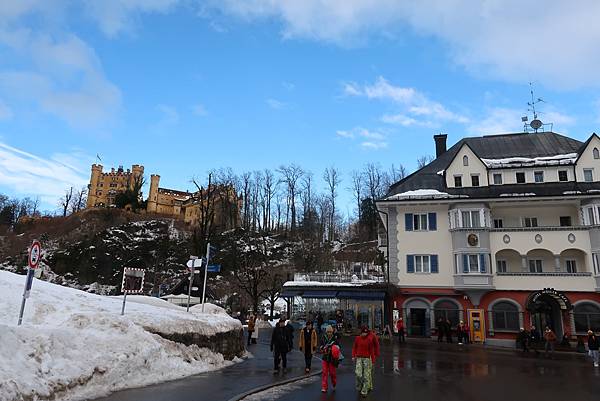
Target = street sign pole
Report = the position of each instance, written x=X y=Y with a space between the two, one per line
x=33 y=261
x=192 y=266
x=205 y=274
x=123 y=307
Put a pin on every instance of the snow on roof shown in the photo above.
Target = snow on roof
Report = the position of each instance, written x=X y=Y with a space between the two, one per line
x=76 y=345
x=422 y=194
x=555 y=160
x=356 y=283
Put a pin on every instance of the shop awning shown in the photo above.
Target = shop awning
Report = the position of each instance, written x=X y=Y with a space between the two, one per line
x=290 y=293
x=362 y=295
x=319 y=294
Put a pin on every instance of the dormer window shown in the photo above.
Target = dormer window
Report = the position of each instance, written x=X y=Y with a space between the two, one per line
x=520 y=176
x=466 y=160
x=596 y=153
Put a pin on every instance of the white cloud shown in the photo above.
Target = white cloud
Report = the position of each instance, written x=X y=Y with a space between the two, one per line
x=344 y=134
x=411 y=102
x=199 y=110
x=554 y=41
x=170 y=116
x=498 y=120
x=28 y=174
x=275 y=104
x=370 y=139
x=288 y=85
x=373 y=145
x=63 y=77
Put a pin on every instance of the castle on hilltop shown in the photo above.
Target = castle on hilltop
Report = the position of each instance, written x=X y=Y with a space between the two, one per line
x=219 y=203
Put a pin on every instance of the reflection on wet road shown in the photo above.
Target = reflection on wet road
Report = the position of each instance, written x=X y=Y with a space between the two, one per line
x=424 y=370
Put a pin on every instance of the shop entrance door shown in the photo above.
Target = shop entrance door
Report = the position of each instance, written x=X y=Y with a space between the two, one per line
x=418 y=321
x=546 y=312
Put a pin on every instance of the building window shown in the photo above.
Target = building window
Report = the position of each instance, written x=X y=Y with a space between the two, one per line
x=447 y=310
x=473 y=263
x=475 y=180
x=520 y=178
x=565 y=221
x=588 y=174
x=458 y=181
x=470 y=219
x=530 y=222
x=538 y=176
x=422 y=264
x=501 y=266
x=595 y=263
x=465 y=160
x=420 y=222
x=571 y=266
x=596 y=153
x=587 y=317
x=505 y=316
x=535 y=266
x=498 y=223
x=563 y=175
x=497 y=179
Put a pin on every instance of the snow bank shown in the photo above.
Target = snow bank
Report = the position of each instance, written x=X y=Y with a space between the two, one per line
x=75 y=345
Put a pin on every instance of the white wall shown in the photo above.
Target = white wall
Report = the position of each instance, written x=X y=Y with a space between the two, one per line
x=587 y=160
x=475 y=167
x=548 y=216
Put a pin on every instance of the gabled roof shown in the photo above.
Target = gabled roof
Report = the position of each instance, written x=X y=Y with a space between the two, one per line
x=528 y=145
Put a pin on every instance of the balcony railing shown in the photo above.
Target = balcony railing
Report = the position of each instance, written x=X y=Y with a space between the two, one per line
x=542 y=228
x=337 y=277
x=546 y=274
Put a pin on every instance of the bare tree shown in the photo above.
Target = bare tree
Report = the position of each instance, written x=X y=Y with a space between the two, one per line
x=373 y=180
x=79 y=199
x=290 y=176
x=356 y=188
x=246 y=194
x=332 y=179
x=268 y=192
x=424 y=160
x=65 y=201
x=205 y=199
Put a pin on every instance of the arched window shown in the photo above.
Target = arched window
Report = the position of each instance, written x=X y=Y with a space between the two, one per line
x=465 y=160
x=587 y=317
x=596 y=153
x=447 y=310
x=505 y=316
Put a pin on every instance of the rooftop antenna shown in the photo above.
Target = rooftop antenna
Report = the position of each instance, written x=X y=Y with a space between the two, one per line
x=536 y=123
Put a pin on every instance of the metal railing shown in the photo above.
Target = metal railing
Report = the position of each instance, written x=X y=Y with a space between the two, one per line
x=339 y=277
x=548 y=274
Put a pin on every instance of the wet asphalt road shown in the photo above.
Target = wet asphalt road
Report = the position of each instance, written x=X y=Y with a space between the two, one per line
x=420 y=370
x=427 y=371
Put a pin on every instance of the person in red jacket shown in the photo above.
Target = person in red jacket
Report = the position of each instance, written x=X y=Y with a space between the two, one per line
x=363 y=354
x=400 y=330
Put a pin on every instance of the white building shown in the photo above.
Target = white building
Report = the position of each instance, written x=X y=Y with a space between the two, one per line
x=500 y=231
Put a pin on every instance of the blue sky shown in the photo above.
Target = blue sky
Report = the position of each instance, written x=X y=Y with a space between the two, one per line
x=185 y=86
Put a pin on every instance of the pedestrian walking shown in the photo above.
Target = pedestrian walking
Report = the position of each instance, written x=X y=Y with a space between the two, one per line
x=251 y=327
x=441 y=330
x=400 y=329
x=255 y=332
x=534 y=339
x=308 y=344
x=376 y=352
x=448 y=330
x=328 y=341
x=523 y=340
x=280 y=346
x=593 y=347
x=290 y=334
x=460 y=332
x=550 y=340
x=363 y=354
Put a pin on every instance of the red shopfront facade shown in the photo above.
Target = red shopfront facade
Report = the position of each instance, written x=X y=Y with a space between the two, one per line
x=498 y=315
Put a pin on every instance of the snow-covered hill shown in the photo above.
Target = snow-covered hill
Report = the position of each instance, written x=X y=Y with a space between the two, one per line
x=75 y=345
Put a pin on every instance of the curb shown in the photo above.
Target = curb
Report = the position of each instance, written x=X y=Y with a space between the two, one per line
x=271 y=385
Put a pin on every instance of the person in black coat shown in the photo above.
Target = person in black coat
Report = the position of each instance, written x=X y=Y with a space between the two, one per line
x=290 y=334
x=523 y=339
x=448 y=330
x=534 y=339
x=440 y=329
x=280 y=345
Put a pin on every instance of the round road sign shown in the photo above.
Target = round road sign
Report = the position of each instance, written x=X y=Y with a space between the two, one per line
x=35 y=253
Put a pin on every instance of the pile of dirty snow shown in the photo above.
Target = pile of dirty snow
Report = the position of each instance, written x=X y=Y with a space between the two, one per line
x=75 y=345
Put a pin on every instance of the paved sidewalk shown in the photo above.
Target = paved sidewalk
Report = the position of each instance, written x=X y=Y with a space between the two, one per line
x=222 y=384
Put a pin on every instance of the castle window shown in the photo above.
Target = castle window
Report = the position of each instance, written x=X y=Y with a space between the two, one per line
x=465 y=160
x=596 y=153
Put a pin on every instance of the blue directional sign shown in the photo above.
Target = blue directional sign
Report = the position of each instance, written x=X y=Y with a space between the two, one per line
x=214 y=268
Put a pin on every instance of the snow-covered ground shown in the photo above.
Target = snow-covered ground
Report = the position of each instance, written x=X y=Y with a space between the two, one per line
x=75 y=345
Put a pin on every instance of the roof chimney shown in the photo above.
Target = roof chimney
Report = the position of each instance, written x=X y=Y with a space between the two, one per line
x=440 y=144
